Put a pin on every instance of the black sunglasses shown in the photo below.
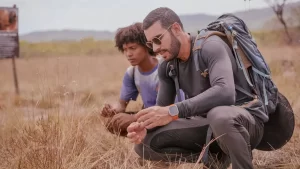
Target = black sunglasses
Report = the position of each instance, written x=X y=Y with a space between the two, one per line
x=156 y=40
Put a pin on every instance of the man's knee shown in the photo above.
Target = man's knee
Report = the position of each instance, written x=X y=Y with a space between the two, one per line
x=219 y=118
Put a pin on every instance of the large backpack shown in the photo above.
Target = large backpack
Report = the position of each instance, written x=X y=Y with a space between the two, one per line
x=280 y=127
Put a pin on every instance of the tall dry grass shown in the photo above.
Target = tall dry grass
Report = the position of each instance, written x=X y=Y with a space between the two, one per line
x=54 y=123
x=83 y=47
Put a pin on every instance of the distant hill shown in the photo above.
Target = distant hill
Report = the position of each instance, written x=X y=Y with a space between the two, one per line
x=66 y=35
x=256 y=19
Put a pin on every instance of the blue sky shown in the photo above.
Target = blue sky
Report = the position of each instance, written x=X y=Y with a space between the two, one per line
x=110 y=14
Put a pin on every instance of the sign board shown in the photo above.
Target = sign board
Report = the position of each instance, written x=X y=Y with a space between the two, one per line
x=9 y=34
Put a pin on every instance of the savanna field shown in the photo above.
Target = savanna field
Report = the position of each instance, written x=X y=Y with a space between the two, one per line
x=55 y=122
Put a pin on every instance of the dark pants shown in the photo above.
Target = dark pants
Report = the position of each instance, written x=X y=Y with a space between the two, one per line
x=183 y=139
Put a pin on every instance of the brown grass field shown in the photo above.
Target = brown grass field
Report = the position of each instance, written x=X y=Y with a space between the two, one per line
x=55 y=122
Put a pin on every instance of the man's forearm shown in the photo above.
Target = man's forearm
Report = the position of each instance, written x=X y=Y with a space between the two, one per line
x=202 y=103
x=122 y=106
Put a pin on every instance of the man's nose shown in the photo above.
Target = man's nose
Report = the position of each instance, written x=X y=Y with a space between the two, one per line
x=129 y=54
x=156 y=48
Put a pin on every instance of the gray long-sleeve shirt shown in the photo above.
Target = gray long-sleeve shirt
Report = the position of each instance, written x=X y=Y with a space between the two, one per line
x=203 y=94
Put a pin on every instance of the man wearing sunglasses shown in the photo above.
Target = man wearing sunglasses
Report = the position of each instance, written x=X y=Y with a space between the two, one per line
x=175 y=131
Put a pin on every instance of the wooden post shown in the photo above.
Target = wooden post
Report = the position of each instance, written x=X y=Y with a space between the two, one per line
x=14 y=63
x=15 y=76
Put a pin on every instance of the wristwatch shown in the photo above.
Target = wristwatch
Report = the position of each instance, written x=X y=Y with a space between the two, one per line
x=173 y=111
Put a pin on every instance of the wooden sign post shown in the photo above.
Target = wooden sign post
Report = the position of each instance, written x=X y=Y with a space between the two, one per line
x=16 y=82
x=9 y=38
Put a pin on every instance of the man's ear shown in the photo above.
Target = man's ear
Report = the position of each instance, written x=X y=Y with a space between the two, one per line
x=176 y=29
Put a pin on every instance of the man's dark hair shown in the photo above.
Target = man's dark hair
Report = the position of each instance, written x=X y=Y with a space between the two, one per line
x=131 y=34
x=165 y=15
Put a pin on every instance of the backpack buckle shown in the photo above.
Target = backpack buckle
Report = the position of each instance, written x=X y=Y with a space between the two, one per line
x=205 y=73
x=234 y=33
x=172 y=72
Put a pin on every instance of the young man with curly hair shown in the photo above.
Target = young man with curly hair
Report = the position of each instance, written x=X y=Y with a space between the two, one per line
x=140 y=78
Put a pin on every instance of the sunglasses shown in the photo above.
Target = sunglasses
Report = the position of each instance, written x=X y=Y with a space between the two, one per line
x=156 y=40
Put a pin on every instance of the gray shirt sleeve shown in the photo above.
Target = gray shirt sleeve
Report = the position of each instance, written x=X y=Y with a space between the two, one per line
x=166 y=91
x=222 y=90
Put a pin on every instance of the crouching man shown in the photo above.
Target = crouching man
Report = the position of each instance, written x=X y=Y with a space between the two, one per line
x=140 y=78
x=173 y=132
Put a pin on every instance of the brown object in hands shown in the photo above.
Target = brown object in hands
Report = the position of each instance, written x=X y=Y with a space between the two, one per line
x=118 y=123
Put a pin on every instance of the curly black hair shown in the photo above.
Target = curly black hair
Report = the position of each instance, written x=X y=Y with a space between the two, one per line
x=131 y=34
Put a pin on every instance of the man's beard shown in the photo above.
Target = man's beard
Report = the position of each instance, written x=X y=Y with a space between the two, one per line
x=175 y=47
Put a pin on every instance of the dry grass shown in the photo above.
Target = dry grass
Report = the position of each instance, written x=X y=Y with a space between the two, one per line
x=55 y=121
x=84 y=47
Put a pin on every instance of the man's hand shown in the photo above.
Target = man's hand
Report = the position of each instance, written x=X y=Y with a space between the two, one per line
x=154 y=116
x=136 y=132
x=120 y=122
x=110 y=110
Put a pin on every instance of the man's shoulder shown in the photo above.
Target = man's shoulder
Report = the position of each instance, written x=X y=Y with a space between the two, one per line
x=162 y=65
x=213 y=40
x=207 y=41
x=213 y=48
x=130 y=71
x=212 y=44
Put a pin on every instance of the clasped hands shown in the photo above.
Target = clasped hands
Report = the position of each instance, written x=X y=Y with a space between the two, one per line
x=147 y=119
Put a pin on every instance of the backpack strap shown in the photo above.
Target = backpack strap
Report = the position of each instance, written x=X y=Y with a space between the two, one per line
x=208 y=138
x=133 y=77
x=133 y=73
x=172 y=67
x=171 y=71
x=239 y=88
x=265 y=76
x=199 y=41
x=200 y=66
x=242 y=61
